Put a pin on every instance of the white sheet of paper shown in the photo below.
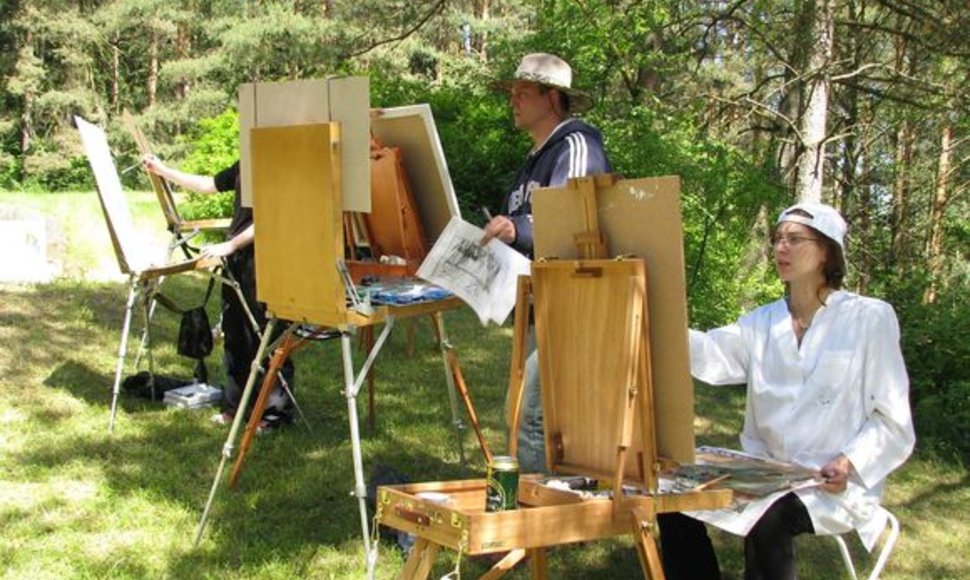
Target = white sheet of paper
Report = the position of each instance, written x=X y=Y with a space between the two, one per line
x=485 y=277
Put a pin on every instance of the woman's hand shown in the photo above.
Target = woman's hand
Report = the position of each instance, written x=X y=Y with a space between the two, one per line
x=836 y=474
x=218 y=250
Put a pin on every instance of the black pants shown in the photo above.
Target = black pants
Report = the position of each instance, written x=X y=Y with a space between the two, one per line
x=241 y=342
x=769 y=548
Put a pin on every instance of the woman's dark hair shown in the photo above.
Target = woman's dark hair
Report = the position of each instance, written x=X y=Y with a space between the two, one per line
x=834 y=267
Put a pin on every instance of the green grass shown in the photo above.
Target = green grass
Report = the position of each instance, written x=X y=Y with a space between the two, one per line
x=76 y=503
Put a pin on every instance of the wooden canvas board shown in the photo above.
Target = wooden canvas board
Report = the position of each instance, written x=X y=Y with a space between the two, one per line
x=299 y=232
x=412 y=128
x=642 y=218
x=345 y=100
x=590 y=333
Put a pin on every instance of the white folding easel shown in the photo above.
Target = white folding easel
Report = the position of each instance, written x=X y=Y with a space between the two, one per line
x=145 y=274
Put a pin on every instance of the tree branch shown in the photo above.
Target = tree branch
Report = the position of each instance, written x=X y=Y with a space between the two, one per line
x=438 y=7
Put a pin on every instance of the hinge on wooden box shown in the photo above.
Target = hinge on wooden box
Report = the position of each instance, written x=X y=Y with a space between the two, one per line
x=456 y=520
x=558 y=451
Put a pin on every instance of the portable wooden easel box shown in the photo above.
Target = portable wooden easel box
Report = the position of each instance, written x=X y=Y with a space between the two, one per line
x=305 y=162
x=616 y=391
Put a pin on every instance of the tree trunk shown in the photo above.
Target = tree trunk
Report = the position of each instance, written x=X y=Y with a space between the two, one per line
x=153 y=68
x=26 y=117
x=903 y=164
x=934 y=245
x=811 y=163
x=481 y=40
x=115 y=76
x=183 y=46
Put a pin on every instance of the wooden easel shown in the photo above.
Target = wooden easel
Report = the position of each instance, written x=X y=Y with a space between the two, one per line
x=599 y=421
x=145 y=272
x=299 y=240
x=182 y=230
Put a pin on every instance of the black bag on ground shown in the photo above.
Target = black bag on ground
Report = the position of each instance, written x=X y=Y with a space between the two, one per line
x=139 y=385
x=385 y=475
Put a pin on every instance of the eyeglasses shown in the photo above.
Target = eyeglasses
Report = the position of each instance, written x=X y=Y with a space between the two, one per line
x=791 y=241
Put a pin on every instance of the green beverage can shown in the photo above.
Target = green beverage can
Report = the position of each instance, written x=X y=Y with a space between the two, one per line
x=502 y=491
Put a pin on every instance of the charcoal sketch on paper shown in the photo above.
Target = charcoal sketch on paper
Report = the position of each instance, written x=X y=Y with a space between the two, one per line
x=483 y=276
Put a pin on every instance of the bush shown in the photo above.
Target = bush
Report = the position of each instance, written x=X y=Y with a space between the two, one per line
x=936 y=346
x=213 y=146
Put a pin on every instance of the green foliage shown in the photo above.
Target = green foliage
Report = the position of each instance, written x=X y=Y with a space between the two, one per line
x=213 y=144
x=936 y=345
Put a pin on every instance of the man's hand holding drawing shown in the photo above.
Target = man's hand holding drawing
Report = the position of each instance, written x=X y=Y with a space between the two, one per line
x=501 y=228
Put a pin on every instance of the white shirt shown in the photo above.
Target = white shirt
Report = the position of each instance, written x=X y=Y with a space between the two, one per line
x=843 y=390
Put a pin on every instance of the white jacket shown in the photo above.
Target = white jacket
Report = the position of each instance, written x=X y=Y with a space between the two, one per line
x=844 y=390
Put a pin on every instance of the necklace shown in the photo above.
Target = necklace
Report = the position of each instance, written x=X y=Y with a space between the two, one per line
x=800 y=324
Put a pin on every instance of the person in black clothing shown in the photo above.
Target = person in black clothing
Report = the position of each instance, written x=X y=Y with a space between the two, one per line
x=543 y=101
x=241 y=340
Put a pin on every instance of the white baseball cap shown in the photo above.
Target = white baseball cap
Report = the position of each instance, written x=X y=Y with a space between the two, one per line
x=822 y=218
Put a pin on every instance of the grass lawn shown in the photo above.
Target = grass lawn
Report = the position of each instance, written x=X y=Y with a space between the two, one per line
x=76 y=503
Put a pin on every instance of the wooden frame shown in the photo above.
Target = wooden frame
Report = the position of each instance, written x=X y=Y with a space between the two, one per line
x=596 y=385
x=412 y=128
x=638 y=217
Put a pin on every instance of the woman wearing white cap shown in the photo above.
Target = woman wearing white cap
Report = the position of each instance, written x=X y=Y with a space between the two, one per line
x=826 y=388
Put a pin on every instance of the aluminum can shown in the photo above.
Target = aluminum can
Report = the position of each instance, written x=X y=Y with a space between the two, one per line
x=502 y=491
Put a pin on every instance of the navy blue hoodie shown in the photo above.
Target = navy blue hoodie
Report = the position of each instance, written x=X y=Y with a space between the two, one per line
x=574 y=149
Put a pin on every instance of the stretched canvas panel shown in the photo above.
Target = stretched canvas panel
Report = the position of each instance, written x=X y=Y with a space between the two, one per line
x=641 y=218
x=299 y=236
x=412 y=128
x=345 y=100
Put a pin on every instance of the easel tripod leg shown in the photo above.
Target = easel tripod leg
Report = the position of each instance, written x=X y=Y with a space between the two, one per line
x=644 y=524
x=122 y=353
x=456 y=421
x=360 y=489
x=280 y=355
x=418 y=564
x=236 y=422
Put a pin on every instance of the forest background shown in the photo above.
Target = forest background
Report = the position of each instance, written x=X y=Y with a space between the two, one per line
x=859 y=103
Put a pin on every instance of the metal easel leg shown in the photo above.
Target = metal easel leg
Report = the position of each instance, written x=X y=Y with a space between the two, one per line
x=148 y=297
x=122 y=351
x=226 y=277
x=360 y=489
x=456 y=421
x=236 y=422
x=143 y=344
x=352 y=387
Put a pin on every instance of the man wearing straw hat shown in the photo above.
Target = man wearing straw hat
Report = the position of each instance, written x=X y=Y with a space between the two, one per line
x=543 y=102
